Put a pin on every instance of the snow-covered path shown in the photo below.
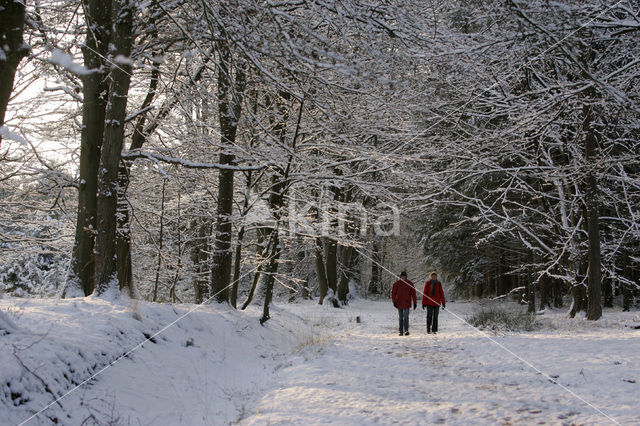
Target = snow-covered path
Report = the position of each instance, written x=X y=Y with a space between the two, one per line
x=310 y=364
x=368 y=374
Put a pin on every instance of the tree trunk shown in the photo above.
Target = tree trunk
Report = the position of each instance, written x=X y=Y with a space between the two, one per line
x=172 y=290
x=346 y=261
x=305 y=290
x=276 y=203
x=607 y=293
x=139 y=137
x=627 y=297
x=233 y=297
x=376 y=271
x=579 y=290
x=531 y=297
x=627 y=294
x=579 y=293
x=199 y=258
x=514 y=279
x=160 y=243
x=502 y=287
x=594 y=280
x=330 y=243
x=12 y=49
x=545 y=286
x=557 y=292
x=94 y=89
x=321 y=272
x=279 y=185
x=107 y=202
x=123 y=248
x=263 y=249
x=486 y=285
x=331 y=250
x=229 y=109
x=272 y=269
x=221 y=258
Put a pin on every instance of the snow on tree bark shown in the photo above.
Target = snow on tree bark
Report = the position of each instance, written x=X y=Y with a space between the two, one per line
x=116 y=112
x=230 y=93
x=94 y=88
x=12 y=49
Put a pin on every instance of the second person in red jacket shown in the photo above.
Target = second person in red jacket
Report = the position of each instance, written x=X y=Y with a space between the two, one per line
x=432 y=299
x=403 y=292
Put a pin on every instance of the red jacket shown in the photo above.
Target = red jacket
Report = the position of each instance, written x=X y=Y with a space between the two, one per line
x=433 y=299
x=403 y=292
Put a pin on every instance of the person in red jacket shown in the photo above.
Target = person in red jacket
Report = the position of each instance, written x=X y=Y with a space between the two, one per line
x=432 y=299
x=403 y=292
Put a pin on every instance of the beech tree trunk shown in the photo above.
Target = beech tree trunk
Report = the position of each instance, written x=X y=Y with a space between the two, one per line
x=12 y=49
x=233 y=297
x=626 y=286
x=221 y=258
x=279 y=185
x=123 y=247
x=557 y=292
x=321 y=272
x=156 y=282
x=331 y=245
x=347 y=254
x=531 y=297
x=627 y=297
x=376 y=270
x=229 y=109
x=199 y=258
x=272 y=269
x=347 y=257
x=94 y=89
x=331 y=251
x=107 y=203
x=139 y=137
x=263 y=249
x=594 y=277
x=607 y=293
x=276 y=201
x=545 y=286
x=504 y=283
x=579 y=293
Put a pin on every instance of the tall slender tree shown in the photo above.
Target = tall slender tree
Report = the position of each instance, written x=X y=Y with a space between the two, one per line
x=231 y=82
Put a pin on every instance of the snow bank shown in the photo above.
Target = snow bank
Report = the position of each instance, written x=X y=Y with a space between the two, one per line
x=136 y=362
x=309 y=364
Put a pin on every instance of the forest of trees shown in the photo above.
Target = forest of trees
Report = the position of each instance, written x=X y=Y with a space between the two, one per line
x=235 y=151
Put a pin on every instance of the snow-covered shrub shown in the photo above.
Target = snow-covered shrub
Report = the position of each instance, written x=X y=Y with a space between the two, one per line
x=35 y=239
x=500 y=319
x=32 y=273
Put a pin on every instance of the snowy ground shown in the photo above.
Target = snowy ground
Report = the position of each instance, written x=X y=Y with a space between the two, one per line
x=205 y=368
x=309 y=365
x=369 y=375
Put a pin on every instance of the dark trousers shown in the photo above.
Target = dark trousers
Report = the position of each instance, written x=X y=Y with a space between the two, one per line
x=432 y=318
x=403 y=315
